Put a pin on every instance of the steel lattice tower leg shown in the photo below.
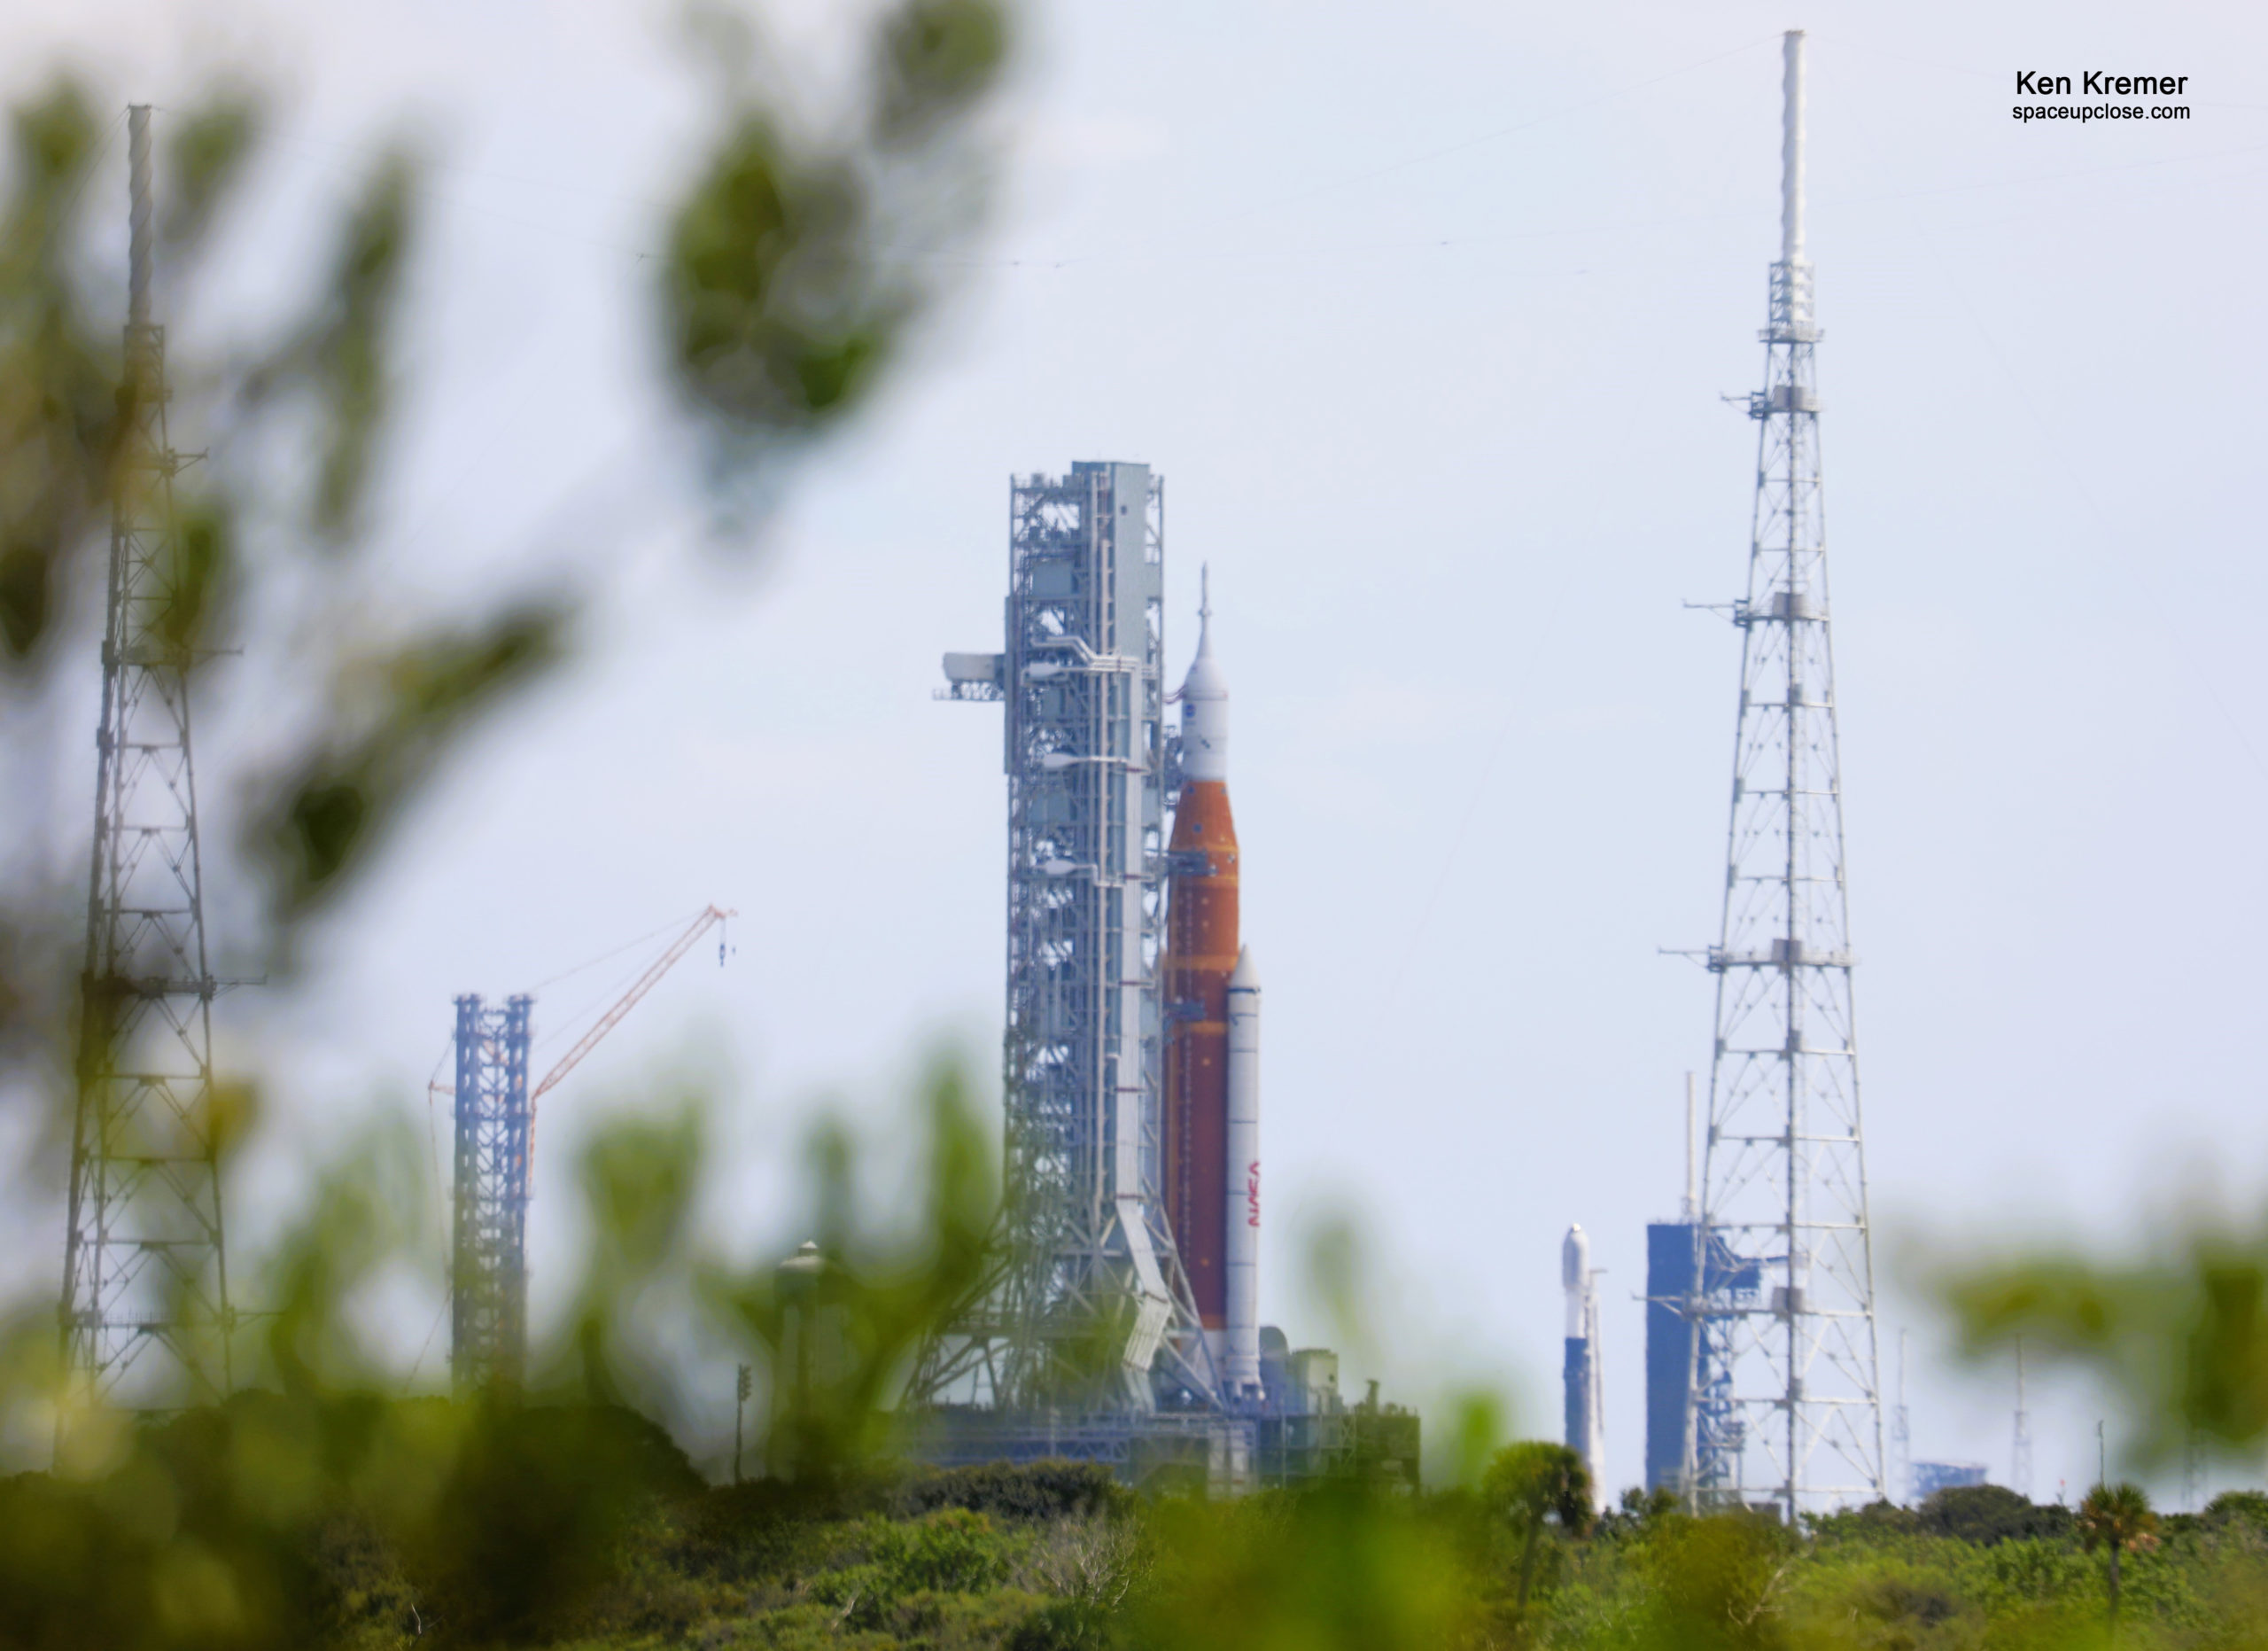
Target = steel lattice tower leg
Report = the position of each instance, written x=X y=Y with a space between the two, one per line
x=1786 y=1398
x=146 y=1318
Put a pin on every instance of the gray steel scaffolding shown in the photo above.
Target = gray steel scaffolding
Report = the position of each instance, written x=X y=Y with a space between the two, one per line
x=1086 y=1307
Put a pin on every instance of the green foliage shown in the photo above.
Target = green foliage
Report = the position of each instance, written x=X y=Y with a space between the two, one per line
x=1342 y=1566
x=1032 y=1492
x=1529 y=1482
x=795 y=266
x=1987 y=1514
x=2182 y=1336
x=2243 y=1511
x=951 y=1551
x=2117 y=1516
x=1535 y=1479
x=57 y=389
x=1716 y=1584
x=208 y=146
x=936 y=58
x=839 y=1349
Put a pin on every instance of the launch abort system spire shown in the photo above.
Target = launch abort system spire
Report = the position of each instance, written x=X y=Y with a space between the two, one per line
x=1785 y=1396
x=145 y=1314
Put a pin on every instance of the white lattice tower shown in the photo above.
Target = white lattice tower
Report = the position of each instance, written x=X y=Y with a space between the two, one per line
x=144 y=1313
x=1786 y=1397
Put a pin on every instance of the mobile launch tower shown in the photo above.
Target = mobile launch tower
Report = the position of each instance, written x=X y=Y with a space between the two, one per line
x=1089 y=1312
x=1784 y=1403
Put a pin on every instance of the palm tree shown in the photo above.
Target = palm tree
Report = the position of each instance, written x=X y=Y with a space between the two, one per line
x=1531 y=1482
x=2118 y=1515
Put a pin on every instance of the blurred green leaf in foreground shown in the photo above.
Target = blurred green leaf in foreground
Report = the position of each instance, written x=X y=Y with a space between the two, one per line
x=2180 y=1337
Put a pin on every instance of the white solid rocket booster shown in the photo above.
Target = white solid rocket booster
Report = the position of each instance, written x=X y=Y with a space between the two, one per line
x=1241 y=1372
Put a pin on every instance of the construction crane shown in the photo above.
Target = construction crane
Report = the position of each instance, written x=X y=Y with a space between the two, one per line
x=623 y=1006
x=495 y=1142
x=628 y=1000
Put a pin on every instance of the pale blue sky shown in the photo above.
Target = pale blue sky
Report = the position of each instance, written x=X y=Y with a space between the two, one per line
x=1424 y=313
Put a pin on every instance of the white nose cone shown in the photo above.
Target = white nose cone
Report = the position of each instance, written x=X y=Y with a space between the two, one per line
x=1575 y=1274
x=1205 y=703
x=1575 y=1258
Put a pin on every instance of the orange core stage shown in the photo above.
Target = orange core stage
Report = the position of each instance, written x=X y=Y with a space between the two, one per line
x=1201 y=954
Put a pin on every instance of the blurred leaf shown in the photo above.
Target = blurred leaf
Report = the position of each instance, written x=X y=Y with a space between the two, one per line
x=937 y=58
x=1338 y=1566
x=202 y=562
x=838 y=1338
x=349 y=352
x=209 y=147
x=328 y=813
x=1716 y=1584
x=1476 y=1431
x=775 y=318
x=57 y=410
x=365 y=1211
x=2182 y=1339
x=53 y=142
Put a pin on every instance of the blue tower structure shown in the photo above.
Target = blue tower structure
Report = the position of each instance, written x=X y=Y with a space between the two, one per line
x=488 y=1323
x=1673 y=1308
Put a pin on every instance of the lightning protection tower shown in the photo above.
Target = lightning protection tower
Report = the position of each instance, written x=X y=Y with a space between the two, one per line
x=1088 y=1311
x=146 y=1318
x=1785 y=1399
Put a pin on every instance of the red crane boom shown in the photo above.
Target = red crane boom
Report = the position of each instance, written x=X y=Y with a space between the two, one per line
x=645 y=983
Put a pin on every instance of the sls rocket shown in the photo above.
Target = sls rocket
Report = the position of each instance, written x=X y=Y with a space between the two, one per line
x=1586 y=1390
x=1212 y=1057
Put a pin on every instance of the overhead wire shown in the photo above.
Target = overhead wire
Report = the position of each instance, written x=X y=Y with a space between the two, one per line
x=673 y=927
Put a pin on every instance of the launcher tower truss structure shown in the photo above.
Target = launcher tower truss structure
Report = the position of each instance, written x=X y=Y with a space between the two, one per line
x=1087 y=1311
x=145 y=1316
x=489 y=1284
x=1785 y=1400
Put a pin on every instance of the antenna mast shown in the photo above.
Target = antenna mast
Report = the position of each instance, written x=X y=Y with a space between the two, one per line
x=2020 y=1456
x=1786 y=1389
x=144 y=1315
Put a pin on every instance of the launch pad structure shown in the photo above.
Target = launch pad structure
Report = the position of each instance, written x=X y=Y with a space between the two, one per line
x=1784 y=1406
x=1087 y=1308
x=1117 y=1321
